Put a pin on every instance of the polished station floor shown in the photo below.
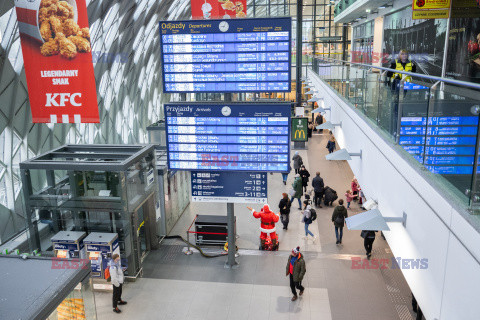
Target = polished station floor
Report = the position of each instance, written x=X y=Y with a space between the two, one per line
x=177 y=286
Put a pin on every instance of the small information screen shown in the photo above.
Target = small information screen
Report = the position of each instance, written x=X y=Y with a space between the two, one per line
x=238 y=55
x=228 y=137
x=446 y=145
x=234 y=187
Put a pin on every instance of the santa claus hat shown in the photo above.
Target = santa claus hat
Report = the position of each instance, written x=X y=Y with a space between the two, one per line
x=266 y=208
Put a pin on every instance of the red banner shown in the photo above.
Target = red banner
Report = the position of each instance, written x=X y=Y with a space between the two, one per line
x=58 y=60
x=219 y=9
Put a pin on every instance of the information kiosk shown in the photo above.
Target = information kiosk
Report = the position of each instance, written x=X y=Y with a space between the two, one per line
x=100 y=248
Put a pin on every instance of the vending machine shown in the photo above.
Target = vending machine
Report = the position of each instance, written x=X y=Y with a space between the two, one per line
x=69 y=244
x=100 y=248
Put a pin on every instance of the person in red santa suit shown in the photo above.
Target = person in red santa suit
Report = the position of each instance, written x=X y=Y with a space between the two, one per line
x=267 y=225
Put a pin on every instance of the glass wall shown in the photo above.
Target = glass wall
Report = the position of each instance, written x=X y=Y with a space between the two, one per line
x=129 y=92
x=437 y=125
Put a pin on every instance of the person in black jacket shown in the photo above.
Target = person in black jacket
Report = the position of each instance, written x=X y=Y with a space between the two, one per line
x=318 y=188
x=305 y=175
x=369 y=237
x=330 y=196
x=284 y=206
x=338 y=218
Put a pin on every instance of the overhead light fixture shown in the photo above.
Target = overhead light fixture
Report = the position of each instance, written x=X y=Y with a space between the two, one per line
x=311 y=92
x=342 y=154
x=373 y=220
x=320 y=110
x=314 y=99
x=327 y=125
x=368 y=10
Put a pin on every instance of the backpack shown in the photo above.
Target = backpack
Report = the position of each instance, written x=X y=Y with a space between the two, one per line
x=107 y=274
x=340 y=219
x=313 y=214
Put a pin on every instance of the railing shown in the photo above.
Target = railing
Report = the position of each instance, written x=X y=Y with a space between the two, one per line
x=436 y=120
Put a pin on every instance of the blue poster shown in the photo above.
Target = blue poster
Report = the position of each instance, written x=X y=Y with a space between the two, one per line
x=240 y=55
x=228 y=137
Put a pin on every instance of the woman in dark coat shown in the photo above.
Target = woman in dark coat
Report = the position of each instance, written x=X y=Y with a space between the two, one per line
x=305 y=175
x=284 y=206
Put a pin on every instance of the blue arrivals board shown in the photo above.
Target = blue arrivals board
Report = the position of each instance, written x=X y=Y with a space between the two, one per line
x=238 y=55
x=445 y=146
x=233 y=187
x=228 y=137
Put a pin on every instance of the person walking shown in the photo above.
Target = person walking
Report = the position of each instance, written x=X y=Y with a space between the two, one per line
x=319 y=121
x=331 y=146
x=116 y=274
x=296 y=269
x=297 y=190
x=284 y=206
x=307 y=219
x=338 y=219
x=318 y=189
x=297 y=162
x=305 y=175
x=368 y=239
x=285 y=175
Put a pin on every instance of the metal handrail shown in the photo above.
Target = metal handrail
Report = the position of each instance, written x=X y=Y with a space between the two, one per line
x=417 y=75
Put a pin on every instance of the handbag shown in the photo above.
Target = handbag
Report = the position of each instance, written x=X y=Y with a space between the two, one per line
x=363 y=234
x=292 y=192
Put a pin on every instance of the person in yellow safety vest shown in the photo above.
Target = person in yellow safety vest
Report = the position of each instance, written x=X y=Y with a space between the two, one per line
x=402 y=64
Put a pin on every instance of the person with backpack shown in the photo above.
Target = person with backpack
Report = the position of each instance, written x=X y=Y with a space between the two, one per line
x=297 y=161
x=338 y=219
x=308 y=219
x=305 y=175
x=369 y=238
x=296 y=270
x=297 y=190
x=284 y=206
x=116 y=274
x=318 y=188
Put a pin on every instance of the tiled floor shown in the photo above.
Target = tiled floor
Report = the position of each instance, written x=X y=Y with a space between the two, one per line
x=177 y=286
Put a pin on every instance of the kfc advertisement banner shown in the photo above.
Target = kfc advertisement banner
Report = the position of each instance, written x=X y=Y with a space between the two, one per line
x=56 y=48
x=218 y=9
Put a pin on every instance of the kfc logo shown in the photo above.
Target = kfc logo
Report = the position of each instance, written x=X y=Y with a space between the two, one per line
x=64 y=98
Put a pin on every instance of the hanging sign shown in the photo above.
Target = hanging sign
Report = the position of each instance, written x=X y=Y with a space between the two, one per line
x=56 y=48
x=430 y=9
x=218 y=9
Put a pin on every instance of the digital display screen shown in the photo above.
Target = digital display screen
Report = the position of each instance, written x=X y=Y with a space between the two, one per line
x=238 y=55
x=228 y=137
x=446 y=146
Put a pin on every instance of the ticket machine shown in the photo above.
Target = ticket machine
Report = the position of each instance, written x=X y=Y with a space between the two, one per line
x=100 y=248
x=69 y=244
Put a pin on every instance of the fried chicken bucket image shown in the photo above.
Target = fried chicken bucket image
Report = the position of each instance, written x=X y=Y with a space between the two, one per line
x=54 y=23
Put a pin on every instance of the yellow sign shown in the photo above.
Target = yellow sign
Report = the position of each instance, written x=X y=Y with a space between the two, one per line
x=431 y=14
x=299 y=134
x=430 y=4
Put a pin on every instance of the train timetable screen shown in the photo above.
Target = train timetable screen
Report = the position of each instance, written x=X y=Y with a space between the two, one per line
x=228 y=137
x=446 y=145
x=238 y=55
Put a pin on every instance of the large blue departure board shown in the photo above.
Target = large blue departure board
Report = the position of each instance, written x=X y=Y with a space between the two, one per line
x=445 y=146
x=238 y=55
x=228 y=137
